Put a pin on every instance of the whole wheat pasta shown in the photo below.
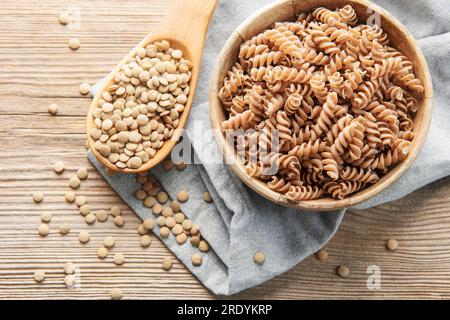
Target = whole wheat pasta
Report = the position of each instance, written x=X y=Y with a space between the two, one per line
x=329 y=100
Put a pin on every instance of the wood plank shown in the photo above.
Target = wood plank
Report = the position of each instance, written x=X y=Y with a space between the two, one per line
x=38 y=69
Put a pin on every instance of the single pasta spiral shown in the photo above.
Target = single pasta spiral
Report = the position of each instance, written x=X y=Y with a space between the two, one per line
x=330 y=109
x=279 y=185
x=283 y=126
x=339 y=190
x=343 y=140
x=266 y=59
x=308 y=149
x=361 y=175
x=281 y=40
x=357 y=142
x=243 y=120
x=323 y=42
x=286 y=74
x=293 y=103
x=318 y=86
x=249 y=51
x=348 y=15
x=327 y=16
x=298 y=193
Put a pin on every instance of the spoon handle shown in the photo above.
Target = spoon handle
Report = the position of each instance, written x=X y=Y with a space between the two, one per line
x=188 y=22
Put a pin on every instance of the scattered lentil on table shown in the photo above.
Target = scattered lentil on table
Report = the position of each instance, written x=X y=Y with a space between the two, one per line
x=118 y=221
x=162 y=197
x=84 y=88
x=168 y=164
x=82 y=173
x=84 y=237
x=102 y=252
x=74 y=43
x=64 y=229
x=85 y=210
x=142 y=195
x=259 y=257
x=69 y=268
x=343 y=271
x=141 y=229
x=116 y=294
x=119 y=259
x=39 y=275
x=70 y=196
x=177 y=229
x=161 y=221
x=116 y=211
x=148 y=224
x=149 y=202
x=53 y=109
x=44 y=230
x=46 y=216
x=195 y=229
x=164 y=232
x=58 y=167
x=203 y=246
x=195 y=241
x=80 y=200
x=207 y=197
x=69 y=281
x=175 y=205
x=101 y=215
x=167 y=264
x=90 y=218
x=179 y=217
x=108 y=242
x=38 y=197
x=142 y=178
x=146 y=240
x=392 y=244
x=170 y=222
x=167 y=212
x=196 y=259
x=181 y=238
x=181 y=166
x=157 y=209
x=183 y=196
x=186 y=224
x=322 y=255
x=63 y=18
x=74 y=182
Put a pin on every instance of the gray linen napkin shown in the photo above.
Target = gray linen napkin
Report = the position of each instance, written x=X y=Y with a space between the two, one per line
x=240 y=222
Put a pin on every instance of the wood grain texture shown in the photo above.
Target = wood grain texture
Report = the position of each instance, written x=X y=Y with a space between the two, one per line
x=37 y=68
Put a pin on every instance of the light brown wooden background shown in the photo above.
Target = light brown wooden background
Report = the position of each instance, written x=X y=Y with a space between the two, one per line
x=37 y=68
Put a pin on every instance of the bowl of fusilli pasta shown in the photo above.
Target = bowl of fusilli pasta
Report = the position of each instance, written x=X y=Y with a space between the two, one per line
x=320 y=105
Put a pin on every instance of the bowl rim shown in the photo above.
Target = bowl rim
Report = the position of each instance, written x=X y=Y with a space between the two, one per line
x=323 y=204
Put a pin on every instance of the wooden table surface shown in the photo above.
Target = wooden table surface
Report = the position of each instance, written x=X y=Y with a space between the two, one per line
x=37 y=69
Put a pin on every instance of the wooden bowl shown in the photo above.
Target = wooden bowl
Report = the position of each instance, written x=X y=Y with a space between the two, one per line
x=286 y=10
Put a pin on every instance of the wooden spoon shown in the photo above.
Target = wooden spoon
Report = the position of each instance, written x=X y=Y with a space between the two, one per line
x=185 y=28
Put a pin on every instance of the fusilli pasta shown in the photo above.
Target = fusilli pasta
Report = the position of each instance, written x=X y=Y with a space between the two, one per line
x=331 y=101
